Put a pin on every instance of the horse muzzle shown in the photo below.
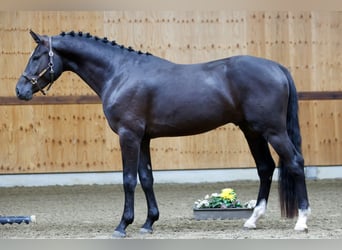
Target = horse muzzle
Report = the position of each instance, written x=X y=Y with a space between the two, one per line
x=24 y=93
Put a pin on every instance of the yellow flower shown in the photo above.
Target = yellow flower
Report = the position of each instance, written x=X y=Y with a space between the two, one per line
x=228 y=193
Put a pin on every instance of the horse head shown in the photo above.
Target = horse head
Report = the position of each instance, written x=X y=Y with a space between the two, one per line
x=44 y=66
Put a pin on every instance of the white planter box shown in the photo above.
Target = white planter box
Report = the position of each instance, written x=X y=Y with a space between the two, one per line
x=222 y=213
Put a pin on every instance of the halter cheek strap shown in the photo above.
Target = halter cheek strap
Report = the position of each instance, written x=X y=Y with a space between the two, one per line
x=34 y=80
x=52 y=72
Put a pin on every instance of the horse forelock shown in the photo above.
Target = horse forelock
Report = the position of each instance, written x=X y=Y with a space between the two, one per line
x=103 y=40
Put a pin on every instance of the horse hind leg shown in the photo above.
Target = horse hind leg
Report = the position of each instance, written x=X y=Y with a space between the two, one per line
x=292 y=180
x=265 y=166
x=146 y=180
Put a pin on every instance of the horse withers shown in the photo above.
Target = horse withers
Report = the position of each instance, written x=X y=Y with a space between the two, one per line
x=146 y=97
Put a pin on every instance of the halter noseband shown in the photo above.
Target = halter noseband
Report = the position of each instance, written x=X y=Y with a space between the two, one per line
x=34 y=80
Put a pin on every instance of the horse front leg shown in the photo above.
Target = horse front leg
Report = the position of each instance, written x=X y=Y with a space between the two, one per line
x=146 y=180
x=130 y=147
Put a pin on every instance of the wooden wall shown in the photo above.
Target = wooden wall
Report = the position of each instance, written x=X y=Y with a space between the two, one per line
x=56 y=134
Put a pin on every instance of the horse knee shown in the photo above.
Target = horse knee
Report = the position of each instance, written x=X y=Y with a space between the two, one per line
x=129 y=182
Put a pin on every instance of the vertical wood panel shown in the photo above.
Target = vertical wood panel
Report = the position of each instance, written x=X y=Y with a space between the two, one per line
x=63 y=138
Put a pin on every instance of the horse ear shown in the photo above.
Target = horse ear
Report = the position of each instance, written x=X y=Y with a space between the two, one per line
x=35 y=37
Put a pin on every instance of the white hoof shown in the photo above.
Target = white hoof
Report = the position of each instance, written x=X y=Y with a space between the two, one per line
x=249 y=224
x=301 y=228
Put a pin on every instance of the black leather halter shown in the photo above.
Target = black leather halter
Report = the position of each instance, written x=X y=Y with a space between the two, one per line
x=34 y=79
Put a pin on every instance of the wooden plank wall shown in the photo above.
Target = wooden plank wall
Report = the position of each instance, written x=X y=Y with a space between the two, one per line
x=68 y=137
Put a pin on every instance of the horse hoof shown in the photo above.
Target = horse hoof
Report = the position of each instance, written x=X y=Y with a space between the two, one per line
x=248 y=225
x=301 y=229
x=118 y=234
x=304 y=230
x=146 y=231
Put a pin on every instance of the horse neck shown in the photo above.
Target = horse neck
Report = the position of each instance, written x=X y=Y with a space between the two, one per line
x=95 y=62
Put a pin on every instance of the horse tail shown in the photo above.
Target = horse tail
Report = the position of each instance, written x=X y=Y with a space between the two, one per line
x=286 y=184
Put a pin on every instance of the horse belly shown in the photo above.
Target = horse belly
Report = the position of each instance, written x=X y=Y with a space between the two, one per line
x=172 y=129
x=187 y=120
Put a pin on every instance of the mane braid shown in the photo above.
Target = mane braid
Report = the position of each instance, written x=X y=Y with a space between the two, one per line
x=104 y=40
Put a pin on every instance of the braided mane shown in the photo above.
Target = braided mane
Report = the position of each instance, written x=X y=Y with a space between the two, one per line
x=104 y=40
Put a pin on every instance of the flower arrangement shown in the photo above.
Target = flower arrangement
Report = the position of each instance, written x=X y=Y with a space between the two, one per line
x=226 y=199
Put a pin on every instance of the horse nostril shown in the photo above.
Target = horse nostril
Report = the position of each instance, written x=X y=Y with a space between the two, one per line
x=17 y=91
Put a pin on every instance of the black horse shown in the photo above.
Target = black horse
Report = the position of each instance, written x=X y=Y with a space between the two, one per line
x=145 y=97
